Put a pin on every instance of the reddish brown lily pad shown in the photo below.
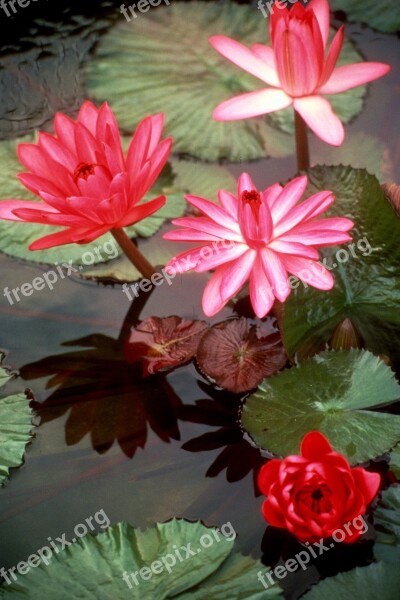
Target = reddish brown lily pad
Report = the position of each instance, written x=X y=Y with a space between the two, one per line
x=237 y=355
x=162 y=343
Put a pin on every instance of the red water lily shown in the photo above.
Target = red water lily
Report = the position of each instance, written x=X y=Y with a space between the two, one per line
x=297 y=68
x=83 y=178
x=315 y=494
x=260 y=236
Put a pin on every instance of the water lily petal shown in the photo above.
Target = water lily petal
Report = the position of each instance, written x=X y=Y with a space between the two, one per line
x=321 y=10
x=251 y=104
x=333 y=55
x=228 y=202
x=312 y=207
x=244 y=58
x=236 y=273
x=214 y=212
x=290 y=195
x=295 y=248
x=245 y=184
x=275 y=271
x=309 y=271
x=319 y=116
x=219 y=256
x=212 y=301
x=261 y=294
x=88 y=115
x=350 y=76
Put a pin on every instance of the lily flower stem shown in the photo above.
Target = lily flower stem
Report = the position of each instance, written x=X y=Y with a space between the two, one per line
x=302 y=151
x=131 y=251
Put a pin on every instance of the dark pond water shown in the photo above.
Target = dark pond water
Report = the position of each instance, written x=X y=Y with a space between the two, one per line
x=143 y=451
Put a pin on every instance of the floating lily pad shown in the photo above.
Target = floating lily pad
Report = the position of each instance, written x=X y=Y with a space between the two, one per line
x=97 y=564
x=383 y=15
x=366 y=272
x=387 y=524
x=15 y=428
x=16 y=237
x=375 y=581
x=237 y=355
x=202 y=179
x=162 y=343
x=333 y=393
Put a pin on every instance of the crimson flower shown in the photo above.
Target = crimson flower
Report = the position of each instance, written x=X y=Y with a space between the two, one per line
x=298 y=69
x=261 y=236
x=316 y=493
x=83 y=178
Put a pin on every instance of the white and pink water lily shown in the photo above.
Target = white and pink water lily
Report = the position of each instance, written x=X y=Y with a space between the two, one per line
x=260 y=237
x=298 y=68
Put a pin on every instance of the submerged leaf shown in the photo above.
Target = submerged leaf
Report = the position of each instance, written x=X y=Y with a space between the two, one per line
x=178 y=559
x=164 y=342
x=15 y=428
x=330 y=393
x=238 y=355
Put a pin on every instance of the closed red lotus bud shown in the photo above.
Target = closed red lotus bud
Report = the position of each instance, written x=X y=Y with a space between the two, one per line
x=315 y=494
x=346 y=336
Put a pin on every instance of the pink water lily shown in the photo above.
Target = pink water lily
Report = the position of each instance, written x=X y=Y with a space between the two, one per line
x=298 y=69
x=261 y=237
x=85 y=182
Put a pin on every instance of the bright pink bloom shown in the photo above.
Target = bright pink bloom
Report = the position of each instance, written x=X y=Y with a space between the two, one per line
x=85 y=181
x=298 y=69
x=261 y=236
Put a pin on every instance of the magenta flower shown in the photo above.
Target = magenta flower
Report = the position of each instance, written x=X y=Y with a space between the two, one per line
x=298 y=69
x=83 y=178
x=260 y=236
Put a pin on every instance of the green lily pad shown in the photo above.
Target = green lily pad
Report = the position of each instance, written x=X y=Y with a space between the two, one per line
x=366 y=271
x=332 y=393
x=378 y=580
x=15 y=428
x=96 y=565
x=346 y=105
x=16 y=237
x=387 y=524
x=395 y=461
x=383 y=15
x=202 y=179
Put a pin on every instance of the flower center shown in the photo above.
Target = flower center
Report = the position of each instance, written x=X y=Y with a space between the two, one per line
x=317 y=495
x=83 y=170
x=253 y=199
x=318 y=499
